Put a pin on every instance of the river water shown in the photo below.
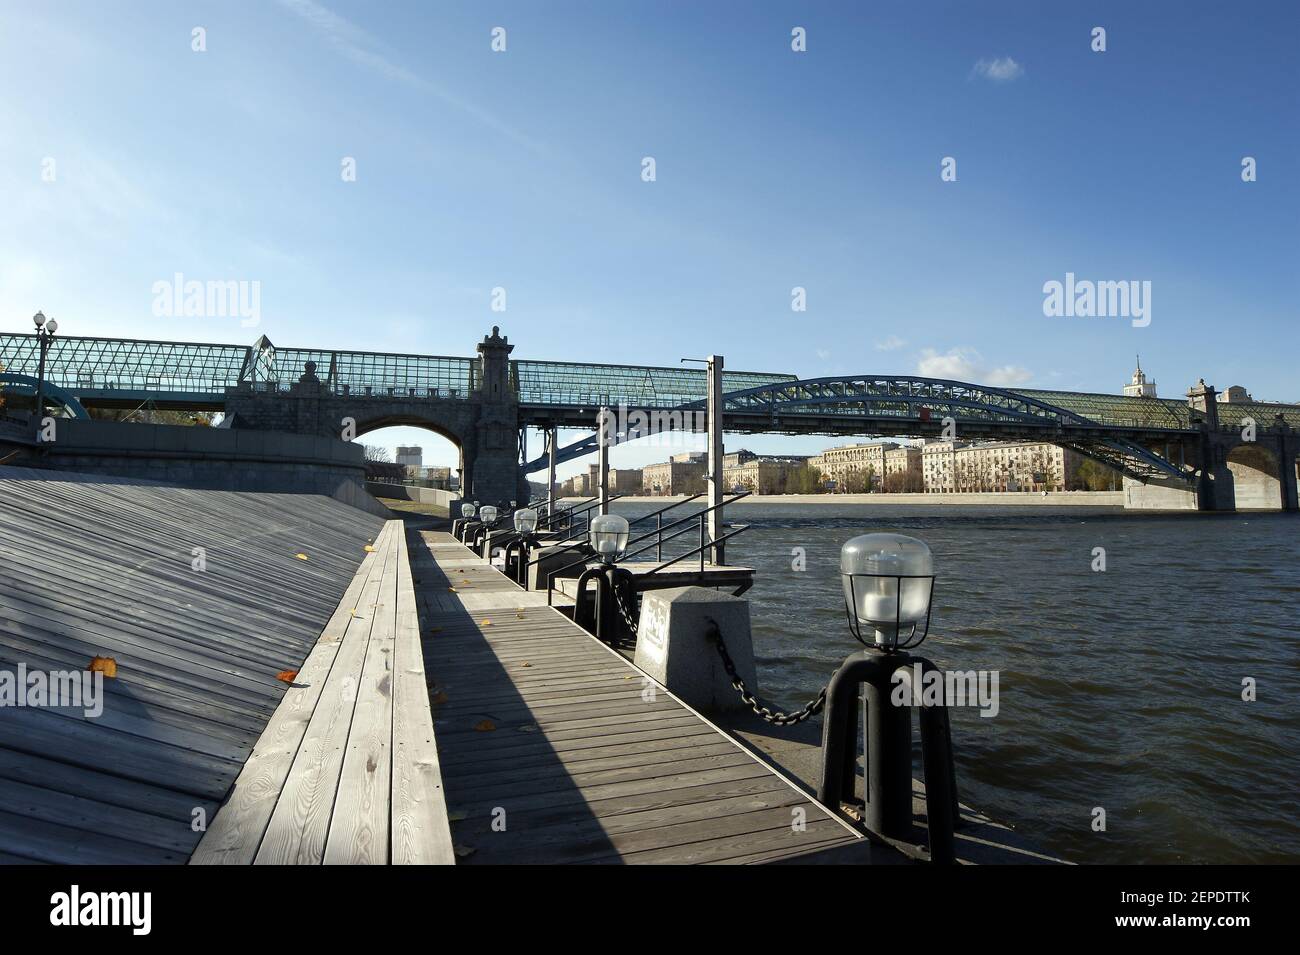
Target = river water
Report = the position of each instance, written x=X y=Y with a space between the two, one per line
x=1119 y=689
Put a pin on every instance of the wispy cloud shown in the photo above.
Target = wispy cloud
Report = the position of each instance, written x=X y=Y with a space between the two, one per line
x=354 y=43
x=966 y=364
x=892 y=343
x=999 y=70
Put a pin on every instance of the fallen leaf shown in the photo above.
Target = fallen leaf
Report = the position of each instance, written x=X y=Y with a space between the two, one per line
x=464 y=851
x=439 y=697
x=368 y=549
x=525 y=664
x=104 y=665
x=528 y=729
x=459 y=816
x=452 y=589
x=302 y=556
x=487 y=726
x=487 y=623
x=287 y=676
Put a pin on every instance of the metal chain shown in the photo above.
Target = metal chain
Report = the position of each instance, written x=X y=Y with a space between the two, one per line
x=810 y=709
x=623 y=610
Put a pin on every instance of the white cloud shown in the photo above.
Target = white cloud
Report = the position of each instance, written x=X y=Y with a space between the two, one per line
x=966 y=364
x=891 y=343
x=999 y=70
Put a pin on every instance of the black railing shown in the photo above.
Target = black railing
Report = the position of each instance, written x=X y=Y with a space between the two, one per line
x=686 y=524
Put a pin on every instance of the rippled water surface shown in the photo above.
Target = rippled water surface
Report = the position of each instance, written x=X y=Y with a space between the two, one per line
x=1119 y=689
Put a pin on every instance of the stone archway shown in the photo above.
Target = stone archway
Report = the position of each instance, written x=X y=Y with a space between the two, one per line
x=1255 y=478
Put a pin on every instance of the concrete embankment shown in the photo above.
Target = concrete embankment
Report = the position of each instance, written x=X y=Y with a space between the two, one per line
x=1051 y=499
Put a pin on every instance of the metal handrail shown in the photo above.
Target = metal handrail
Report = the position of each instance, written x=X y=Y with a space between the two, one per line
x=704 y=545
x=689 y=519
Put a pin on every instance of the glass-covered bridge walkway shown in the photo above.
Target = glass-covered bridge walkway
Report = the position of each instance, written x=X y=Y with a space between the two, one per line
x=87 y=372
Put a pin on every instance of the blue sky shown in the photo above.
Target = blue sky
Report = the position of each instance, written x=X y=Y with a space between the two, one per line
x=522 y=170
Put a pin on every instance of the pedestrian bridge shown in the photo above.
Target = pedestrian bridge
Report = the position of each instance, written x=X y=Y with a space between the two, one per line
x=485 y=403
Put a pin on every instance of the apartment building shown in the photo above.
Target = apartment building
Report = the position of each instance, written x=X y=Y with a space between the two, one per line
x=854 y=467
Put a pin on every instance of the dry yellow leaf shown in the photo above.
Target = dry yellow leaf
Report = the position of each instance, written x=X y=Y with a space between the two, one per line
x=525 y=664
x=104 y=665
x=368 y=549
x=302 y=556
x=486 y=623
x=486 y=726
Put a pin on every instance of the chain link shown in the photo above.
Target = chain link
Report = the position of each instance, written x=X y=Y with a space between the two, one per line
x=810 y=709
x=624 y=612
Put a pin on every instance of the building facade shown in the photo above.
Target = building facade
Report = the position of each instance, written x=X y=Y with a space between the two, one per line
x=624 y=481
x=760 y=475
x=853 y=467
x=410 y=457
x=903 y=470
x=951 y=468
x=673 y=477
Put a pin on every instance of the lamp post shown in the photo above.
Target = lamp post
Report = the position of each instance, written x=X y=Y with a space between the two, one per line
x=45 y=329
x=608 y=536
x=525 y=526
x=460 y=526
x=487 y=516
x=888 y=583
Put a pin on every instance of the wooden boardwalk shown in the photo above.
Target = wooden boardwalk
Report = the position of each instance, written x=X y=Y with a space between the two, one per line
x=347 y=769
x=554 y=748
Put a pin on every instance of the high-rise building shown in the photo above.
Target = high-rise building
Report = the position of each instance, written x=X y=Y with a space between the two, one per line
x=410 y=456
x=1139 y=387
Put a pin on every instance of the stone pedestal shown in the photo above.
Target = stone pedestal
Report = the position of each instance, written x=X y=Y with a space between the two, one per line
x=550 y=559
x=673 y=645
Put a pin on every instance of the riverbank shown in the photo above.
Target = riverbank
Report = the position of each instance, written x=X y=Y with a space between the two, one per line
x=1010 y=499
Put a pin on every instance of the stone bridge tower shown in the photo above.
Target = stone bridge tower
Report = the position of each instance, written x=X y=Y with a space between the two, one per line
x=482 y=419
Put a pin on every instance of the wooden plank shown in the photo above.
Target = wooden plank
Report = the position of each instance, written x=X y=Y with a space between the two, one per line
x=234 y=835
x=296 y=833
x=358 y=830
x=421 y=832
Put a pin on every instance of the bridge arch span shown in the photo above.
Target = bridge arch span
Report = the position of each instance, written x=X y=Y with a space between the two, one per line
x=1256 y=477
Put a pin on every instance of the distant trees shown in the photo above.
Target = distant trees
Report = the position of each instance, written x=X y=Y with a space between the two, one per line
x=1095 y=476
x=805 y=479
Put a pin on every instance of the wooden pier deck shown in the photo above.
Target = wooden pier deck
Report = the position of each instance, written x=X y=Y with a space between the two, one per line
x=553 y=748
x=346 y=770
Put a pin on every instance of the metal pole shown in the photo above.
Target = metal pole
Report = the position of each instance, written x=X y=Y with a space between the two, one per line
x=604 y=424
x=550 y=473
x=889 y=757
x=714 y=477
x=43 y=343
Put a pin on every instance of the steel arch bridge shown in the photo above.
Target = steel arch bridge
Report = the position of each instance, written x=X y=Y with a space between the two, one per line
x=1142 y=437
x=1118 y=435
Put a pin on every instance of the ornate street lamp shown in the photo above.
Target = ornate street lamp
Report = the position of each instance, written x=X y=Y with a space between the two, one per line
x=45 y=329
x=888 y=582
x=488 y=514
x=525 y=520
x=608 y=535
x=467 y=510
